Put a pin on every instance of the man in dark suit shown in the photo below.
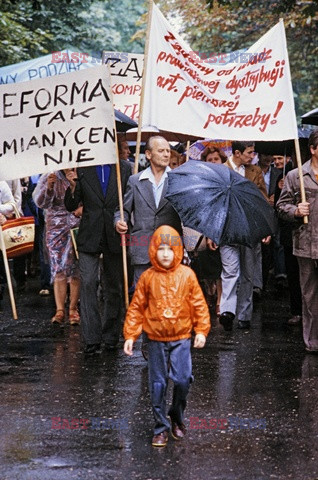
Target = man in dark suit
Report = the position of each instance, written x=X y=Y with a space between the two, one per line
x=270 y=175
x=145 y=205
x=96 y=189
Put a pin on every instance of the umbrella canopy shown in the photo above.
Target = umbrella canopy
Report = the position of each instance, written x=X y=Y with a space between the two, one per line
x=220 y=203
x=310 y=118
x=283 y=147
x=123 y=122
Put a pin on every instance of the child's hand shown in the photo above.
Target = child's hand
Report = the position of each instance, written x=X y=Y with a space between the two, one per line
x=199 y=340
x=128 y=347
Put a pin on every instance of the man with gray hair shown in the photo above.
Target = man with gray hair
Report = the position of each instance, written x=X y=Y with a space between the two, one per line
x=145 y=206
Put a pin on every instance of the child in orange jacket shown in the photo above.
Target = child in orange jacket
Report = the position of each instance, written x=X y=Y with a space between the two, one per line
x=167 y=305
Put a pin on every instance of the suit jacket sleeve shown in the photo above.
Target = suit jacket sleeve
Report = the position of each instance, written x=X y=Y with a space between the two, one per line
x=128 y=202
x=72 y=200
x=286 y=205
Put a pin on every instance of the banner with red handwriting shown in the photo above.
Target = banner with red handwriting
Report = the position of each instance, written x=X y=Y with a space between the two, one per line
x=58 y=122
x=236 y=96
x=126 y=78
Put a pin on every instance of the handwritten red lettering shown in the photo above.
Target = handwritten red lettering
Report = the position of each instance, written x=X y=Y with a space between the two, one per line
x=170 y=83
x=235 y=120
x=132 y=111
x=252 y=79
x=257 y=58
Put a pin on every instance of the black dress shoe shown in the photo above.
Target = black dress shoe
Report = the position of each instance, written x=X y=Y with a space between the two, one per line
x=244 y=324
x=91 y=349
x=226 y=320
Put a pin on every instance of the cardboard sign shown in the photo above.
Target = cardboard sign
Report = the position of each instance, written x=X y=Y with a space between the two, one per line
x=58 y=122
x=126 y=77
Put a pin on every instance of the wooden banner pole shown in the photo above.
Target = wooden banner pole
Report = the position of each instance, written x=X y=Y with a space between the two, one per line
x=300 y=173
x=143 y=83
x=8 y=275
x=188 y=150
x=121 y=206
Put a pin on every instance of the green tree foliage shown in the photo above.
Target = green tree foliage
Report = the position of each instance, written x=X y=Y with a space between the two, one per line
x=17 y=40
x=228 y=25
x=111 y=26
x=32 y=28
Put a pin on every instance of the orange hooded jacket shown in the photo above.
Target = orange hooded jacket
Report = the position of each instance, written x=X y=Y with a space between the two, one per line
x=168 y=303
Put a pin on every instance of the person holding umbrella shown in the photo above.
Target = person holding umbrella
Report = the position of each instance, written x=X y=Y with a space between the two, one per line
x=238 y=261
x=231 y=208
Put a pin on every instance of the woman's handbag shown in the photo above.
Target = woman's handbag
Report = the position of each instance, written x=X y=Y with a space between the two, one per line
x=18 y=235
x=206 y=263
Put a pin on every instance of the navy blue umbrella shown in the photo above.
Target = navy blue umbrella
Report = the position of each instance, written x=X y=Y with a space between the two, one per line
x=123 y=122
x=220 y=203
x=310 y=118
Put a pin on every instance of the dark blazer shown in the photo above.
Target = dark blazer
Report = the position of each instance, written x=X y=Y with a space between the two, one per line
x=97 y=224
x=274 y=174
x=141 y=210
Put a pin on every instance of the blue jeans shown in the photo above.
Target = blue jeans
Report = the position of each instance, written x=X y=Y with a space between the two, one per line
x=169 y=360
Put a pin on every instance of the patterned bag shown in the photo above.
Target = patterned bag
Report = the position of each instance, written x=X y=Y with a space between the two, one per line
x=18 y=235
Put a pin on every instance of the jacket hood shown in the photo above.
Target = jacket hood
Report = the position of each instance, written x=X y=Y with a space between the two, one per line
x=169 y=236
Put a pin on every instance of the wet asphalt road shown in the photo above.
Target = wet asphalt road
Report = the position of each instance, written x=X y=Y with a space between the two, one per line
x=261 y=380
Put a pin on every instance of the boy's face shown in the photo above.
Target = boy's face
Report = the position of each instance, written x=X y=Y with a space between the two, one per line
x=165 y=256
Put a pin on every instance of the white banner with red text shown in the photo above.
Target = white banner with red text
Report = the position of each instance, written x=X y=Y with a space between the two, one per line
x=236 y=96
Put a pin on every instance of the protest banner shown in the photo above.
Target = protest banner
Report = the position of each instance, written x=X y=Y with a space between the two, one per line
x=57 y=122
x=56 y=63
x=126 y=74
x=236 y=96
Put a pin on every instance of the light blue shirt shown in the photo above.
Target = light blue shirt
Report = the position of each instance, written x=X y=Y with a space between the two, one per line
x=157 y=189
